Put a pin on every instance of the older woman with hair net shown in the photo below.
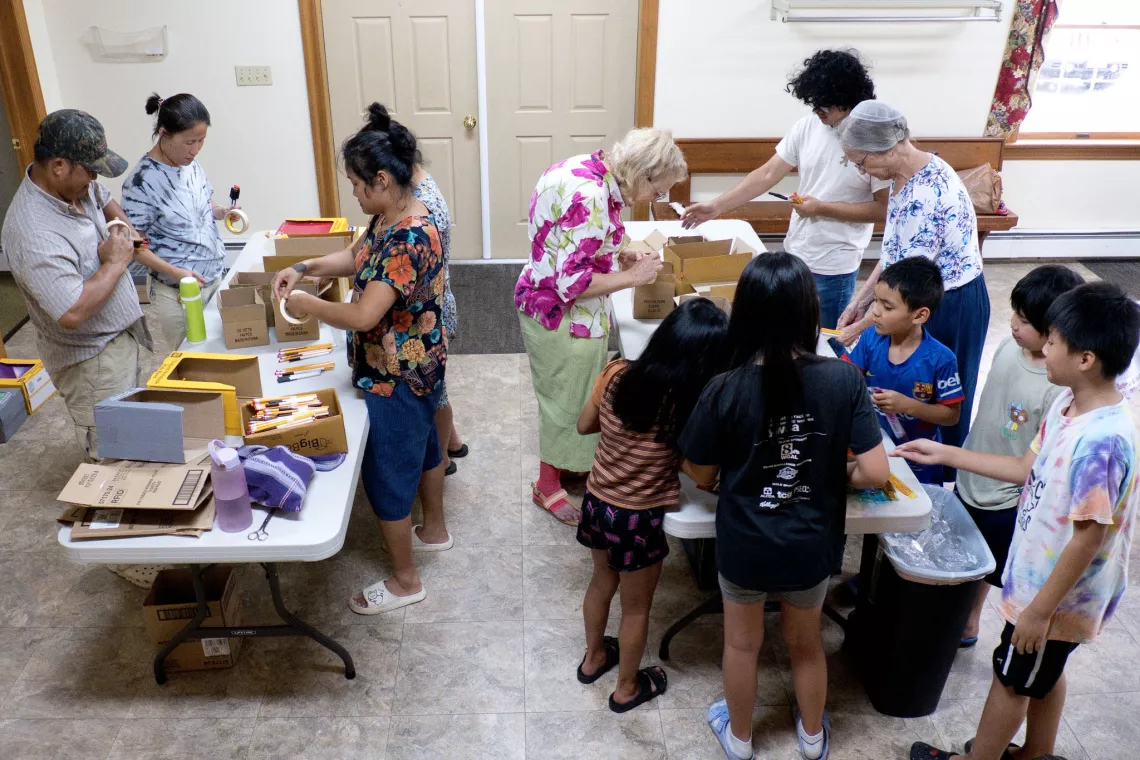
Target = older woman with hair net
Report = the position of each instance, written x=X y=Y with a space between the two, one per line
x=929 y=214
x=562 y=295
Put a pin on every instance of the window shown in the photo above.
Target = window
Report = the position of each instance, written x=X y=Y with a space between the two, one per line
x=1089 y=83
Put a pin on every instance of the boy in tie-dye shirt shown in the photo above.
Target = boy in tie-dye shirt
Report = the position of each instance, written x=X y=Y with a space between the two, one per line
x=1068 y=563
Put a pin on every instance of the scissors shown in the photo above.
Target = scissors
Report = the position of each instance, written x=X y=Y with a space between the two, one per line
x=260 y=534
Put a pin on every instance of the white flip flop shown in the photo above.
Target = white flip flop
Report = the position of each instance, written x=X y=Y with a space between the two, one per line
x=419 y=545
x=379 y=599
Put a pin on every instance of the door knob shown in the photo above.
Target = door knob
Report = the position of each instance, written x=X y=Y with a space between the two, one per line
x=469 y=122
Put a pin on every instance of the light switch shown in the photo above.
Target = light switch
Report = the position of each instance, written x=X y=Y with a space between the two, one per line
x=253 y=76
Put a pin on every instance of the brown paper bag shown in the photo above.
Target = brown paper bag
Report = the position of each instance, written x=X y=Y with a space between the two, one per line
x=984 y=186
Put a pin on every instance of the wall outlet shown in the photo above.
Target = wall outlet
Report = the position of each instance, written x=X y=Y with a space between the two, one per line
x=253 y=76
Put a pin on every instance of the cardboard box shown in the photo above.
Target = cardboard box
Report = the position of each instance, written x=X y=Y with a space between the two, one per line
x=235 y=376
x=317 y=225
x=710 y=261
x=139 y=485
x=308 y=331
x=30 y=377
x=263 y=281
x=243 y=318
x=142 y=286
x=170 y=605
x=721 y=302
x=13 y=413
x=310 y=246
x=159 y=425
x=318 y=438
x=90 y=524
x=334 y=289
x=655 y=301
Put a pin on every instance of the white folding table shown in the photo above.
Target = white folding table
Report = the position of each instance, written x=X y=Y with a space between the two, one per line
x=694 y=519
x=315 y=533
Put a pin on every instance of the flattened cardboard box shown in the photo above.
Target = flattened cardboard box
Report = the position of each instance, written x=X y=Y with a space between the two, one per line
x=159 y=425
x=263 y=281
x=138 y=485
x=170 y=605
x=655 y=300
x=243 y=318
x=318 y=438
x=236 y=376
x=309 y=330
x=89 y=523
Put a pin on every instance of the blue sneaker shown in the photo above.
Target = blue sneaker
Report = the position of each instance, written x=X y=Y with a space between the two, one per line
x=826 y=736
x=719 y=723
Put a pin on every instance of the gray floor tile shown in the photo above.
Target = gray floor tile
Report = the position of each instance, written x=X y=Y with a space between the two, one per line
x=52 y=739
x=430 y=737
x=214 y=738
x=470 y=583
x=599 y=735
x=319 y=739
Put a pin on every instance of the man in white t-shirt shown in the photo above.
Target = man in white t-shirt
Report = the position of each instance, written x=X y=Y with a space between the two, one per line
x=836 y=206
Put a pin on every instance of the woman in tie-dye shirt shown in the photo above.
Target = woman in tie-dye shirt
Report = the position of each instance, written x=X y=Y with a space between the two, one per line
x=563 y=292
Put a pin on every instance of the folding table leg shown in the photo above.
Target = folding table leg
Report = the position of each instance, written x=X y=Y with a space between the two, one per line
x=188 y=629
x=711 y=606
x=301 y=625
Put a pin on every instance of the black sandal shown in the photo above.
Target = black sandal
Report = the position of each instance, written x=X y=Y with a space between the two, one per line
x=452 y=468
x=459 y=453
x=610 y=644
x=923 y=751
x=647 y=679
x=1004 y=756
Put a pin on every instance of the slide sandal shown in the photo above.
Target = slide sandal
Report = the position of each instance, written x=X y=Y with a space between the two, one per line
x=610 y=644
x=647 y=679
x=966 y=643
x=460 y=452
x=1004 y=755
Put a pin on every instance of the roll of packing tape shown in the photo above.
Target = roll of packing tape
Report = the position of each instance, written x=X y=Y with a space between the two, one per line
x=287 y=316
x=236 y=221
x=118 y=223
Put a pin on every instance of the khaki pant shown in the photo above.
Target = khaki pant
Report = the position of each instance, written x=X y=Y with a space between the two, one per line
x=167 y=305
x=114 y=370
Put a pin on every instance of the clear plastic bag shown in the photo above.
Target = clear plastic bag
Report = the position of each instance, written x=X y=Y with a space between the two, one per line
x=950 y=550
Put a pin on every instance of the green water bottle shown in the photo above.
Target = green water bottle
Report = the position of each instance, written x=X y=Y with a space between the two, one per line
x=191 y=294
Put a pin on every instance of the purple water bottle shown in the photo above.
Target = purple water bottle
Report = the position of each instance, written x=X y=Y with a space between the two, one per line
x=231 y=494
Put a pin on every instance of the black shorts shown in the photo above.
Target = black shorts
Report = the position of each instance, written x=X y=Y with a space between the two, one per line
x=634 y=539
x=996 y=526
x=1030 y=675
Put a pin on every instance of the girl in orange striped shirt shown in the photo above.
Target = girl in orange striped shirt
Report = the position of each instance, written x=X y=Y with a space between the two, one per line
x=639 y=407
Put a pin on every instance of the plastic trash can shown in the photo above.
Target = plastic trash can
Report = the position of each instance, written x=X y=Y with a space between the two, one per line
x=915 y=594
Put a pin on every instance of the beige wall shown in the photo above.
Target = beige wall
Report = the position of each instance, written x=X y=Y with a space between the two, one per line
x=260 y=138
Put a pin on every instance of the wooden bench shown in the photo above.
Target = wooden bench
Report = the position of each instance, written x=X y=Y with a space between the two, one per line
x=740 y=156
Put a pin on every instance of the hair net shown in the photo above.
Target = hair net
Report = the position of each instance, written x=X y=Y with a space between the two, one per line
x=873 y=126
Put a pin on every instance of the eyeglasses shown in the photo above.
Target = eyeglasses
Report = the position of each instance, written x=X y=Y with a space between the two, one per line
x=845 y=161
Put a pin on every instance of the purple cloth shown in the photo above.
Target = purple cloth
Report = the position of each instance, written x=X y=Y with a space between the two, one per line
x=279 y=478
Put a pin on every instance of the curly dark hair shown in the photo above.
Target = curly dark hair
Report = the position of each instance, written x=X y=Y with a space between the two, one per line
x=832 y=78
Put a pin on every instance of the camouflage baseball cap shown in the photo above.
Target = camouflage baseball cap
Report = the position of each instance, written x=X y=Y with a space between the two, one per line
x=78 y=136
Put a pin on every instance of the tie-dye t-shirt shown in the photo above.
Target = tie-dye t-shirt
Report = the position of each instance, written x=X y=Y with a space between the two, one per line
x=1085 y=469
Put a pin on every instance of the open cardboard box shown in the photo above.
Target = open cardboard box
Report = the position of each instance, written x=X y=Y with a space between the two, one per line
x=341 y=287
x=243 y=318
x=236 y=376
x=722 y=303
x=30 y=377
x=263 y=281
x=312 y=245
x=159 y=425
x=170 y=605
x=655 y=300
x=710 y=261
x=317 y=438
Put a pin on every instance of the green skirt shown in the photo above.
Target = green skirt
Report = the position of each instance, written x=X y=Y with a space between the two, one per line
x=563 y=370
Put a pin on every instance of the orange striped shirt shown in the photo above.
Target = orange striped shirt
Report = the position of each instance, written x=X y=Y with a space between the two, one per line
x=631 y=470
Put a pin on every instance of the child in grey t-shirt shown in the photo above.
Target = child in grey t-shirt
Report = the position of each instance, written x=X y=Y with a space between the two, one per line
x=1016 y=397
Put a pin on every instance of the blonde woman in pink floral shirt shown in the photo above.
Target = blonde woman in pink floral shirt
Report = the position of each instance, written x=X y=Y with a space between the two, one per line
x=577 y=240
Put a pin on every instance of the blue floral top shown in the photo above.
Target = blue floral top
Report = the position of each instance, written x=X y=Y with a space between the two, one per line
x=932 y=216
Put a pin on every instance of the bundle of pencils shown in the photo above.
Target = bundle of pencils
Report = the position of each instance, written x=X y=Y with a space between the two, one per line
x=303 y=371
x=284 y=413
x=300 y=353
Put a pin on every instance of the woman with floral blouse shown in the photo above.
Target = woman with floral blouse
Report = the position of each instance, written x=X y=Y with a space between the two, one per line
x=562 y=295
x=396 y=348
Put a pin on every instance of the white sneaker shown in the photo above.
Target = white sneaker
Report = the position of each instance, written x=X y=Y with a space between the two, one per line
x=377 y=599
x=420 y=546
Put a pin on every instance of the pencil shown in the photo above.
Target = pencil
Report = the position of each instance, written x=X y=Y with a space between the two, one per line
x=299 y=375
x=305 y=368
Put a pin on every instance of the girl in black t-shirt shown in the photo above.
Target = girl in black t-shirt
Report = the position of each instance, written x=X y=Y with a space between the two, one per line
x=777 y=431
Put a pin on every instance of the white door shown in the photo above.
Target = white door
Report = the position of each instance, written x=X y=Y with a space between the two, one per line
x=560 y=82
x=418 y=59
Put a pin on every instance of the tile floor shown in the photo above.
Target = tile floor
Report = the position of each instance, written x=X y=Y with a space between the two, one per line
x=483 y=669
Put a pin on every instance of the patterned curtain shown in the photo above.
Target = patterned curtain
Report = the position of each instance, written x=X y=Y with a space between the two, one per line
x=1024 y=54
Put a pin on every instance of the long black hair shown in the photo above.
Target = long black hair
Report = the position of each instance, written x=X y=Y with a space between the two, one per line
x=775 y=319
x=177 y=113
x=381 y=145
x=661 y=387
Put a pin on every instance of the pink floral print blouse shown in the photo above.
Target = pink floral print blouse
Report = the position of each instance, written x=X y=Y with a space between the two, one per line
x=575 y=230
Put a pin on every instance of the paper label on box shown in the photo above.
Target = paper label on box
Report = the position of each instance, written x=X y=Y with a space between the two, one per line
x=105 y=519
x=216 y=647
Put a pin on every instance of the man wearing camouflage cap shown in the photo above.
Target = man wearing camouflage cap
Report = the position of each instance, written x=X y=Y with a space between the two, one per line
x=73 y=271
